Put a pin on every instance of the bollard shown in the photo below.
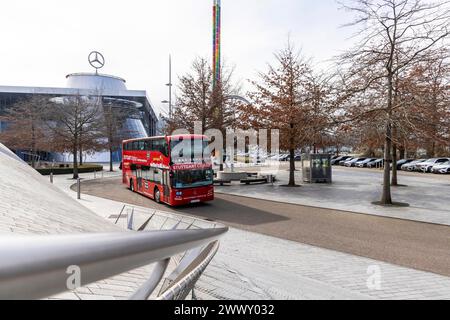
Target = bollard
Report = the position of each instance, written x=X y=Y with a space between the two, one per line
x=95 y=174
x=51 y=177
x=78 y=188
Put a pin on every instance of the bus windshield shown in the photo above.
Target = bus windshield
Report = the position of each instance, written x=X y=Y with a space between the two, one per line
x=192 y=178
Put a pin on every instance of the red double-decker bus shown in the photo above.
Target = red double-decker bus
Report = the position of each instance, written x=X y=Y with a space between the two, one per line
x=176 y=170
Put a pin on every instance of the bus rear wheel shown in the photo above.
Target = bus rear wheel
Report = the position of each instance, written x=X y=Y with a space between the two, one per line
x=157 y=195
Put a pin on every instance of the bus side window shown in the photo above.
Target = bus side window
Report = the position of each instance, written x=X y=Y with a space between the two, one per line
x=160 y=145
x=155 y=145
x=150 y=175
x=149 y=145
x=157 y=176
x=145 y=173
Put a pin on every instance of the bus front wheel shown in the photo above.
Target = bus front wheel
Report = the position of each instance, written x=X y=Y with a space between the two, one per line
x=157 y=195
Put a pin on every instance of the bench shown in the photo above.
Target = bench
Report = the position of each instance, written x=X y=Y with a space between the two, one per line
x=254 y=180
x=222 y=182
x=252 y=174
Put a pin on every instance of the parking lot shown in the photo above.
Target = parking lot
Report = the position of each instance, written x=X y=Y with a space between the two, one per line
x=440 y=165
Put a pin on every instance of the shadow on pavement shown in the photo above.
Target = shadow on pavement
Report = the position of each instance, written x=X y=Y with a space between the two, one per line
x=224 y=210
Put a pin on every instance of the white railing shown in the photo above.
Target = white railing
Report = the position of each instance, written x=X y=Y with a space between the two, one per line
x=34 y=267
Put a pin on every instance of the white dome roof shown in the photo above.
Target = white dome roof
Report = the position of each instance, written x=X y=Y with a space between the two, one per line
x=94 y=81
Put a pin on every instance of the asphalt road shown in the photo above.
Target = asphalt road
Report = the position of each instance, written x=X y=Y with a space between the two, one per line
x=411 y=244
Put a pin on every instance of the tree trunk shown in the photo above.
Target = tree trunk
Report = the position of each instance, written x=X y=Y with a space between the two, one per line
x=292 y=156
x=402 y=153
x=81 y=155
x=292 y=168
x=75 y=162
x=111 y=169
x=80 y=146
x=394 y=180
x=394 y=166
x=386 y=198
x=431 y=149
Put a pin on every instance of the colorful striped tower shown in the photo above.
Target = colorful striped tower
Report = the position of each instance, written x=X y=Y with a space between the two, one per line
x=216 y=39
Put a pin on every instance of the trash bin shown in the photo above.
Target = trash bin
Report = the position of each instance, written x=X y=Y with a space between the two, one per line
x=317 y=168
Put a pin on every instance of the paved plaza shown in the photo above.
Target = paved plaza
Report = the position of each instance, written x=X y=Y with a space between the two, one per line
x=412 y=244
x=355 y=189
x=255 y=266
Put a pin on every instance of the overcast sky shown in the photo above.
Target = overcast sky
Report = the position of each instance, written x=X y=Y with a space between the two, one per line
x=42 y=41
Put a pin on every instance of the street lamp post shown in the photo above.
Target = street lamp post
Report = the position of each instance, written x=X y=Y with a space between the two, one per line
x=170 y=88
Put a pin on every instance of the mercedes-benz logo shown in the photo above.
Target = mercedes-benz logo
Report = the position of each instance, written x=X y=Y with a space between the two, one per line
x=96 y=60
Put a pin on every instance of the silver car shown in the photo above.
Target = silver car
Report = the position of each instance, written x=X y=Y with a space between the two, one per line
x=441 y=168
x=429 y=164
x=412 y=165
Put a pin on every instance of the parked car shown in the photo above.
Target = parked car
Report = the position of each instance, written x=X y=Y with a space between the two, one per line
x=402 y=162
x=339 y=159
x=377 y=163
x=441 y=168
x=412 y=165
x=342 y=162
x=363 y=164
x=430 y=163
x=288 y=158
x=275 y=157
x=354 y=162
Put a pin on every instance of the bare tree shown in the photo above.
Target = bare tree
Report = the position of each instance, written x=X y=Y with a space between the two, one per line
x=287 y=98
x=26 y=126
x=114 y=117
x=394 y=36
x=426 y=90
x=73 y=121
x=198 y=101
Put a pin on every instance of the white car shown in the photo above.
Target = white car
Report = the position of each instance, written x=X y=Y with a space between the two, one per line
x=429 y=164
x=441 y=168
x=362 y=164
x=412 y=165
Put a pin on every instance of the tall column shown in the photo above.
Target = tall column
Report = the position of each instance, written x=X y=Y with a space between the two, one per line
x=216 y=41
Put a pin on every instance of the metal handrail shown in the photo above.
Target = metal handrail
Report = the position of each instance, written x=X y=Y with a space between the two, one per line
x=34 y=267
x=158 y=273
x=150 y=285
x=179 y=288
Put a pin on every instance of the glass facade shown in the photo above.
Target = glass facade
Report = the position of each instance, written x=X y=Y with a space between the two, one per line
x=142 y=120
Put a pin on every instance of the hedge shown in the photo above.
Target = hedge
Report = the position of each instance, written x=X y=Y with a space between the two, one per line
x=58 y=171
